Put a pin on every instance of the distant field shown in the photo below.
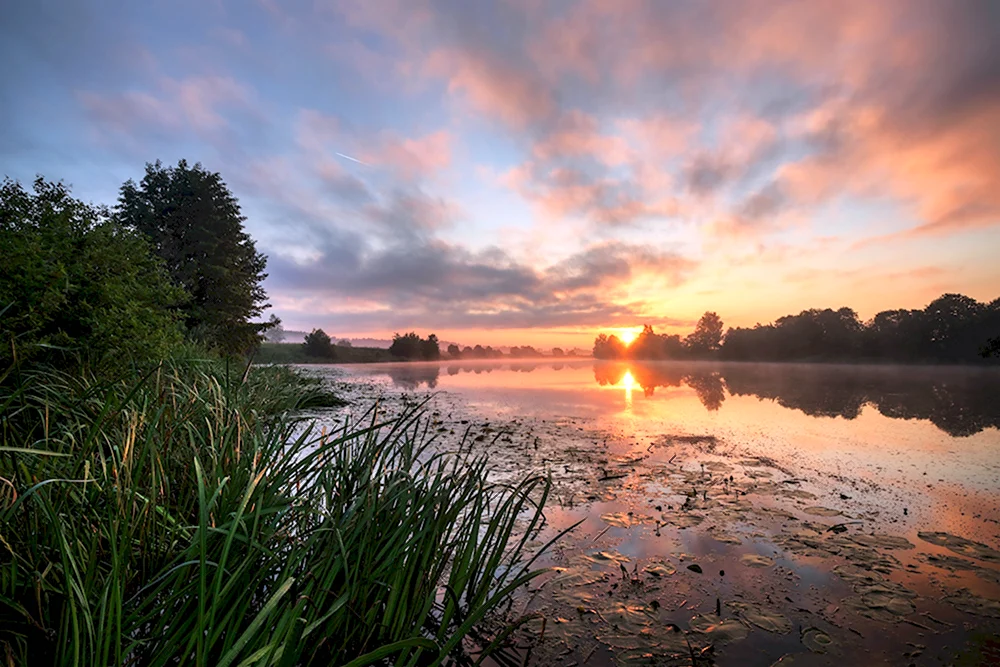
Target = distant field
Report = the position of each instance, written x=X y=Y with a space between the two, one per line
x=292 y=353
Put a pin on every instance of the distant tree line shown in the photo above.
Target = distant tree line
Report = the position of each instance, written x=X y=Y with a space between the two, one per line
x=516 y=352
x=951 y=329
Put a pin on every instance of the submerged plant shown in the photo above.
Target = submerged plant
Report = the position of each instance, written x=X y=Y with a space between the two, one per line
x=191 y=519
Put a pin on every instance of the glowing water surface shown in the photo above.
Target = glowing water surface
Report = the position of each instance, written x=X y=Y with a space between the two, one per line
x=884 y=450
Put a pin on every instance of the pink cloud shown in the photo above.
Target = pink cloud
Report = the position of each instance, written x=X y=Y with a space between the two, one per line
x=411 y=158
x=577 y=134
x=491 y=87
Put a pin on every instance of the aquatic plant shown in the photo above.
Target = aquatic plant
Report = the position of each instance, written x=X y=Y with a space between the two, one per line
x=191 y=518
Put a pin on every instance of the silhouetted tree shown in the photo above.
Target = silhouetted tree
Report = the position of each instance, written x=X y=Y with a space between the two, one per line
x=411 y=346
x=609 y=347
x=558 y=352
x=454 y=352
x=707 y=335
x=319 y=346
x=343 y=342
x=195 y=225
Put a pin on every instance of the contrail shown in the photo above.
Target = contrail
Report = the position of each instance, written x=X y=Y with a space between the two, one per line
x=353 y=159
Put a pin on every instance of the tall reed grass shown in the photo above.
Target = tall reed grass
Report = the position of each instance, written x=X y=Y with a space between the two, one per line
x=191 y=518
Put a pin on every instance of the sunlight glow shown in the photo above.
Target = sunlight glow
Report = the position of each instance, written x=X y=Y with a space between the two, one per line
x=628 y=382
x=627 y=336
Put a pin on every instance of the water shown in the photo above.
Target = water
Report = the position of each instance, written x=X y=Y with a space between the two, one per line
x=854 y=510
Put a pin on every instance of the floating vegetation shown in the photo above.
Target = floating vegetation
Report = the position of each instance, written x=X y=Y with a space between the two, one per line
x=768 y=620
x=962 y=546
x=625 y=519
x=718 y=631
x=822 y=511
x=970 y=603
x=816 y=640
x=756 y=560
x=660 y=570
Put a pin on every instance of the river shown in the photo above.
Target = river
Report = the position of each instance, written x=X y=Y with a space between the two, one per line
x=738 y=514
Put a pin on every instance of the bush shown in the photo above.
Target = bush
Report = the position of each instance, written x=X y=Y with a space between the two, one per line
x=77 y=288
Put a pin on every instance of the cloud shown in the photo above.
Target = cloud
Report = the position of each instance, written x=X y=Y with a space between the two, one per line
x=422 y=279
x=492 y=87
x=177 y=106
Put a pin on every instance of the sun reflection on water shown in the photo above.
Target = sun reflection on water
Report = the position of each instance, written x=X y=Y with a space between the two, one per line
x=628 y=382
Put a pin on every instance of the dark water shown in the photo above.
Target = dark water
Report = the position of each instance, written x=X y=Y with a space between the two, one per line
x=854 y=510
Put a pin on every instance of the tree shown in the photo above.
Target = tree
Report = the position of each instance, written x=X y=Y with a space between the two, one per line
x=343 y=342
x=608 y=347
x=707 y=336
x=275 y=332
x=454 y=352
x=412 y=346
x=195 y=225
x=319 y=346
x=76 y=287
x=430 y=349
x=558 y=352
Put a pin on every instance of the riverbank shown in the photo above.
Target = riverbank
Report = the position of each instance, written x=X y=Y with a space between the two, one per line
x=702 y=542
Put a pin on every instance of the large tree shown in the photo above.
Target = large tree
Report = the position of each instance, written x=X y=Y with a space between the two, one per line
x=707 y=336
x=76 y=287
x=194 y=223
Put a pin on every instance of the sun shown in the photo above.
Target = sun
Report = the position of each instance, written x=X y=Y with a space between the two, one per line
x=627 y=336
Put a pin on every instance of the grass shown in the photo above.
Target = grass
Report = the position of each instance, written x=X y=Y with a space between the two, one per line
x=190 y=518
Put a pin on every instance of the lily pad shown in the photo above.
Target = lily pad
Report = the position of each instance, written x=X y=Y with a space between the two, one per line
x=882 y=541
x=816 y=640
x=609 y=557
x=575 y=576
x=962 y=546
x=629 y=617
x=770 y=621
x=617 y=519
x=659 y=570
x=718 y=631
x=821 y=511
x=756 y=560
x=970 y=603
x=683 y=519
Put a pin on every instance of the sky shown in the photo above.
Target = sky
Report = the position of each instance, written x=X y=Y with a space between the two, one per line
x=536 y=171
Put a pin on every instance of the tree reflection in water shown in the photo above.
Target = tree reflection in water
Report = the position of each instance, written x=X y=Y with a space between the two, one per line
x=959 y=401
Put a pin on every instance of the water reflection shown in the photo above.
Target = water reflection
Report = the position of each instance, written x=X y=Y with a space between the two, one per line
x=959 y=401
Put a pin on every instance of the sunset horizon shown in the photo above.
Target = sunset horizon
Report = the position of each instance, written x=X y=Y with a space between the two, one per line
x=536 y=173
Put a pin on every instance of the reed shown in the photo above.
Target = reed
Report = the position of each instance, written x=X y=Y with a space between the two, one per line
x=193 y=517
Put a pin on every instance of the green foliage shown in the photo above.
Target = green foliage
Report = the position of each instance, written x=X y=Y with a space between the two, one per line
x=187 y=519
x=195 y=225
x=411 y=346
x=319 y=346
x=76 y=287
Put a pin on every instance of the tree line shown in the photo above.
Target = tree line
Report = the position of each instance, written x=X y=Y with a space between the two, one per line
x=951 y=329
x=102 y=286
